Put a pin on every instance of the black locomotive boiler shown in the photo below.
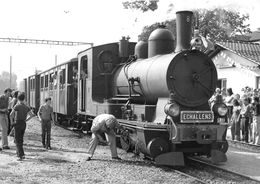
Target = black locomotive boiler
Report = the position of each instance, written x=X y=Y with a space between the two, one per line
x=158 y=91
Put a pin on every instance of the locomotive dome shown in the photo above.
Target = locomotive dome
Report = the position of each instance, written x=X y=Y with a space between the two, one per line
x=161 y=41
x=141 y=50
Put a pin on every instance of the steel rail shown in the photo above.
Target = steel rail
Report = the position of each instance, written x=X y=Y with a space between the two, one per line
x=188 y=175
x=222 y=169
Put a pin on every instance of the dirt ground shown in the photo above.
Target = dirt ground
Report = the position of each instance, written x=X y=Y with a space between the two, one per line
x=66 y=162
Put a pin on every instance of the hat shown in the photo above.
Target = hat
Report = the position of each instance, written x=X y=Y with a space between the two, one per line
x=111 y=122
x=7 y=90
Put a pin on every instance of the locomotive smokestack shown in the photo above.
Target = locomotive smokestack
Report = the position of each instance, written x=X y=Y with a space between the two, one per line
x=183 y=30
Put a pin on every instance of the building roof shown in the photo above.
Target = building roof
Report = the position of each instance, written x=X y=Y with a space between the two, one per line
x=254 y=36
x=250 y=51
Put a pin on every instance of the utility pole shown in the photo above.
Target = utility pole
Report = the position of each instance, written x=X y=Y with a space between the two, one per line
x=11 y=72
x=56 y=59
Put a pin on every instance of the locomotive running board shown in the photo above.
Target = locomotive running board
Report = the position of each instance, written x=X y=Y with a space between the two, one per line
x=170 y=159
x=218 y=156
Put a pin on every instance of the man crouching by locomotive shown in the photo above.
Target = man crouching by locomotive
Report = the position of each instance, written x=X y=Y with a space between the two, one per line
x=103 y=123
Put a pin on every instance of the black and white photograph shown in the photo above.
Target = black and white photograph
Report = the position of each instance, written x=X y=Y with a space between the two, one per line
x=129 y=92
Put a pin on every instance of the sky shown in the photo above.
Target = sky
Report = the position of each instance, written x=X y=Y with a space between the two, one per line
x=97 y=21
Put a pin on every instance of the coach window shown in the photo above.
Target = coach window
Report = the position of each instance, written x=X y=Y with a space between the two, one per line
x=46 y=80
x=33 y=84
x=257 y=85
x=62 y=76
x=51 y=80
x=84 y=67
x=42 y=81
x=55 y=79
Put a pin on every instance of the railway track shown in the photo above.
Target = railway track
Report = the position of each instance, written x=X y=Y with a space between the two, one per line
x=193 y=179
x=222 y=174
x=196 y=180
x=197 y=170
x=72 y=129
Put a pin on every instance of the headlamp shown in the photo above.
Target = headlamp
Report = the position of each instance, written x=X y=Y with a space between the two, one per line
x=172 y=109
x=220 y=108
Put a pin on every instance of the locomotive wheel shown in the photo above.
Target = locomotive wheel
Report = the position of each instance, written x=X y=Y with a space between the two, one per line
x=223 y=146
x=157 y=146
x=125 y=141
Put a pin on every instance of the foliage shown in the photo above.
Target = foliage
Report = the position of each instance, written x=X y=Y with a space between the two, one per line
x=170 y=24
x=221 y=24
x=216 y=24
x=143 y=5
x=5 y=81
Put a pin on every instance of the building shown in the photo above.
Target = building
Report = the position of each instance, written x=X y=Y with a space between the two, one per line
x=254 y=36
x=238 y=65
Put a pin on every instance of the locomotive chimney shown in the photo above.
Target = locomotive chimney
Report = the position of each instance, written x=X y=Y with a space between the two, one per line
x=183 y=30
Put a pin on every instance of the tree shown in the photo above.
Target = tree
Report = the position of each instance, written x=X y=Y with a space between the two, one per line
x=170 y=24
x=5 y=81
x=143 y=5
x=221 y=24
x=216 y=24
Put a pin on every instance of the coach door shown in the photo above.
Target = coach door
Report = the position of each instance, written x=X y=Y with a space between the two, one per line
x=55 y=90
x=62 y=89
x=50 y=86
x=42 y=96
x=32 y=91
x=83 y=83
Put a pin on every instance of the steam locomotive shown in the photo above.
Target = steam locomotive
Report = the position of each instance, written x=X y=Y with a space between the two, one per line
x=159 y=93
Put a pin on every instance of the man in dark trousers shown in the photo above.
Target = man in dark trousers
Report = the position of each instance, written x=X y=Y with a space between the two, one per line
x=103 y=123
x=18 y=120
x=4 y=101
x=45 y=115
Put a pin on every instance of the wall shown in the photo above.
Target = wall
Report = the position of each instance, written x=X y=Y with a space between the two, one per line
x=237 y=78
x=235 y=69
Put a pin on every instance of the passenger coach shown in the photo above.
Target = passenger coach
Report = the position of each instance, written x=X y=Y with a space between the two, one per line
x=59 y=83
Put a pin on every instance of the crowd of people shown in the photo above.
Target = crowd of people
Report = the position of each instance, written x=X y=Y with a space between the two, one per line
x=14 y=112
x=243 y=113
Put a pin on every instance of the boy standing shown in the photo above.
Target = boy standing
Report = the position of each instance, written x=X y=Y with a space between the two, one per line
x=45 y=115
x=19 y=114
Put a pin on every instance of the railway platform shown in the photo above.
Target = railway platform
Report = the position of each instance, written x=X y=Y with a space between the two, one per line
x=243 y=160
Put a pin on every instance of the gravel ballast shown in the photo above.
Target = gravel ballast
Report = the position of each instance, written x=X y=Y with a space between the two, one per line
x=66 y=162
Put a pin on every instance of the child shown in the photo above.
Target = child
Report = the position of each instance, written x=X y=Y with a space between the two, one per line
x=244 y=120
x=235 y=124
x=45 y=115
x=256 y=121
x=18 y=118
